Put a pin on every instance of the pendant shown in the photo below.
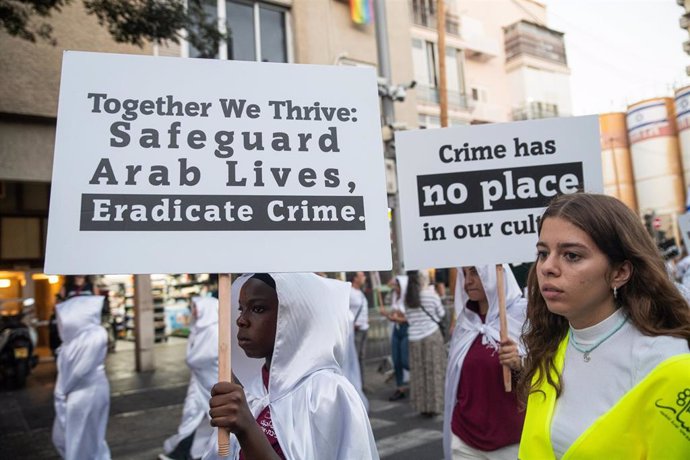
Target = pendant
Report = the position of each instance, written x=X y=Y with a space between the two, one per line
x=586 y=357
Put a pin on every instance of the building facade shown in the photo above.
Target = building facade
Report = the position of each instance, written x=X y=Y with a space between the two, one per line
x=502 y=62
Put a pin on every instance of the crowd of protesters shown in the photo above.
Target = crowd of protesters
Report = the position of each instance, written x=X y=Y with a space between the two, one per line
x=601 y=329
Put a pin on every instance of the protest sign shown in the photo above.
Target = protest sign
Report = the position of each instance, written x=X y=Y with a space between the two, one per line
x=473 y=195
x=169 y=165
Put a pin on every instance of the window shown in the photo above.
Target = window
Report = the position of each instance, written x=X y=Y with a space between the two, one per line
x=255 y=31
x=23 y=222
x=424 y=14
x=478 y=94
x=425 y=62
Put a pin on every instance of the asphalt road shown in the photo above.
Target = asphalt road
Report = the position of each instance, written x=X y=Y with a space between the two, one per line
x=145 y=409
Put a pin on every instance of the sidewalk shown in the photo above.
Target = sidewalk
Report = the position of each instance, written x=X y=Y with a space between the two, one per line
x=145 y=408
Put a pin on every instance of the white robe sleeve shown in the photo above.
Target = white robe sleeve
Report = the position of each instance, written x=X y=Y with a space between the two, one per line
x=339 y=423
x=324 y=418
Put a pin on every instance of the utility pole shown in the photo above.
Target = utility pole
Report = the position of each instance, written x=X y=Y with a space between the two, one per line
x=383 y=57
x=443 y=90
x=442 y=82
x=384 y=65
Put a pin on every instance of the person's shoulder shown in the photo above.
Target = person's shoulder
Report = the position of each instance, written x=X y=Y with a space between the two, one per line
x=653 y=350
x=669 y=345
x=429 y=292
x=328 y=385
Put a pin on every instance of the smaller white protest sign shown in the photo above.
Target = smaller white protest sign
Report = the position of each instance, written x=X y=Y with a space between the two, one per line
x=474 y=195
x=168 y=165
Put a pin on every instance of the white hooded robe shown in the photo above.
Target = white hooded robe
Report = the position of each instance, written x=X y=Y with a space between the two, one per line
x=316 y=412
x=469 y=325
x=82 y=392
x=202 y=360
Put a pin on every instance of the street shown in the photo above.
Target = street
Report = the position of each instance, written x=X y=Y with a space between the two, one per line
x=146 y=408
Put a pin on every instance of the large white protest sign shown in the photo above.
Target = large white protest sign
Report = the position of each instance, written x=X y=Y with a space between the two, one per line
x=169 y=165
x=474 y=195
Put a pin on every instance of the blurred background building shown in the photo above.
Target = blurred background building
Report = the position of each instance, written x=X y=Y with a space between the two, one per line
x=503 y=63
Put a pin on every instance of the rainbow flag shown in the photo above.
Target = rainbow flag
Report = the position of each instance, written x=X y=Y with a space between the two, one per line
x=361 y=11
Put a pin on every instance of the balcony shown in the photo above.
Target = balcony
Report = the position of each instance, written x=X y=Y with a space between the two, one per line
x=456 y=100
x=526 y=38
x=478 y=45
x=534 y=110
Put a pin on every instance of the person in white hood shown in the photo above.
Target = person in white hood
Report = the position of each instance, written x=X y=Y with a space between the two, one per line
x=82 y=392
x=481 y=420
x=297 y=405
x=195 y=430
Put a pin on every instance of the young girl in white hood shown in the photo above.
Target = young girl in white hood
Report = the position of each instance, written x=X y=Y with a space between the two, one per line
x=295 y=403
x=195 y=430
x=82 y=393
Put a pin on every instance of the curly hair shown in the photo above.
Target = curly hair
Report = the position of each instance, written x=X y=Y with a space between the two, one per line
x=649 y=298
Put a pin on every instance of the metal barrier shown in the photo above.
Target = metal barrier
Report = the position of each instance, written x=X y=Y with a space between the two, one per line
x=378 y=337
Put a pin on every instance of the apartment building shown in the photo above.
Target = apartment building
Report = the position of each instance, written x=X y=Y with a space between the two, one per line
x=502 y=62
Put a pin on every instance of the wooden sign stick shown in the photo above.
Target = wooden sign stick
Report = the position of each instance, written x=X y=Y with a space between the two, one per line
x=507 y=379
x=224 y=350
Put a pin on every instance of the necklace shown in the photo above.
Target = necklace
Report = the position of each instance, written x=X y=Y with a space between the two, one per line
x=587 y=351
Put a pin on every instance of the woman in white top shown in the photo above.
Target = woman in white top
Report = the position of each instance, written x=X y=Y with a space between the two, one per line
x=428 y=357
x=608 y=368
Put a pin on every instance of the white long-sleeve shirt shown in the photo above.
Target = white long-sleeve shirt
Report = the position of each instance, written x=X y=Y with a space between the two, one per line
x=615 y=366
x=421 y=324
x=359 y=306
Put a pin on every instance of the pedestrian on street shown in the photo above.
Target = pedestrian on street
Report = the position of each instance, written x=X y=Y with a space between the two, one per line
x=608 y=368
x=481 y=419
x=195 y=430
x=399 y=338
x=297 y=405
x=82 y=392
x=75 y=285
x=428 y=357
x=359 y=306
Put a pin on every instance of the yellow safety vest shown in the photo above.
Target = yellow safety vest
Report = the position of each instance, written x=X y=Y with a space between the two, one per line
x=651 y=421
